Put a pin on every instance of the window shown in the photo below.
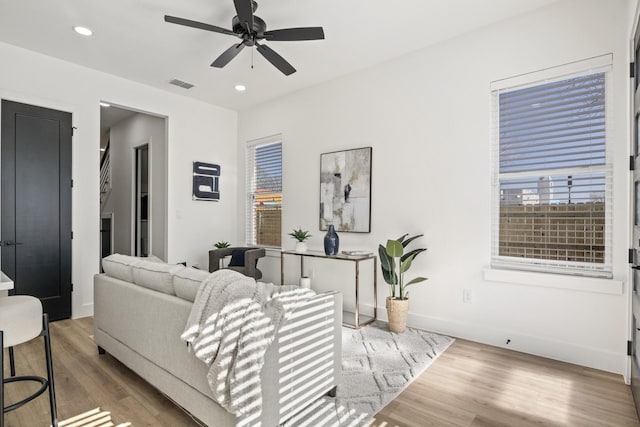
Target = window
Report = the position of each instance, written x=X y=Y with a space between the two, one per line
x=264 y=192
x=552 y=173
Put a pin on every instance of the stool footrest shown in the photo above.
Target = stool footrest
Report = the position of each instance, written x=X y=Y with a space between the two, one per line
x=44 y=384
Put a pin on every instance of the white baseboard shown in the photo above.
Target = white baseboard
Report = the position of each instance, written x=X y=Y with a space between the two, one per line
x=85 y=310
x=591 y=357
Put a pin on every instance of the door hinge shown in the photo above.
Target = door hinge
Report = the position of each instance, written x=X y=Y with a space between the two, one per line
x=632 y=163
x=630 y=256
x=71 y=183
x=73 y=130
x=632 y=70
x=72 y=235
x=629 y=348
x=72 y=287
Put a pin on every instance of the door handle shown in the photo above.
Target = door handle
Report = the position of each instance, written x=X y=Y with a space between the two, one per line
x=9 y=243
x=635 y=267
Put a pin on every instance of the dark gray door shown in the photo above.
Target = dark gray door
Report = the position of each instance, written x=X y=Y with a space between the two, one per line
x=35 y=216
x=635 y=259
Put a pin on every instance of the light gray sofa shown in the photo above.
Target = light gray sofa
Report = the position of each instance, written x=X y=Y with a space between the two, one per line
x=139 y=320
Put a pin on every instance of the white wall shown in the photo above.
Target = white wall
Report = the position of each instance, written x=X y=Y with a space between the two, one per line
x=196 y=131
x=427 y=117
x=132 y=132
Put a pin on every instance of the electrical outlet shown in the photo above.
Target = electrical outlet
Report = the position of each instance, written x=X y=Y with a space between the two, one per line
x=467 y=296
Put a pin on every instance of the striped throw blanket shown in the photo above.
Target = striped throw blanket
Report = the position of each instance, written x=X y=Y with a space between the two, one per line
x=232 y=323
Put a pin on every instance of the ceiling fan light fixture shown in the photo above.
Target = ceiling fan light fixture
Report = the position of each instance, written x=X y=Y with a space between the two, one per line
x=240 y=88
x=83 y=31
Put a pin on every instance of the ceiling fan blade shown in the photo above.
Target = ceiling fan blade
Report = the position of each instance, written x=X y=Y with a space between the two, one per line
x=227 y=55
x=295 y=34
x=199 y=25
x=244 y=9
x=278 y=61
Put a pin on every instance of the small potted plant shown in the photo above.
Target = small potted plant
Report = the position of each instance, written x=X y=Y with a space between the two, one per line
x=301 y=236
x=222 y=244
x=394 y=263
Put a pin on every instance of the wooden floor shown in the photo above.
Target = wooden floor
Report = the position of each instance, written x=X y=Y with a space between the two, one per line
x=469 y=385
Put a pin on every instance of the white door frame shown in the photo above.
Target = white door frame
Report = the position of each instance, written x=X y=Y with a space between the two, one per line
x=134 y=184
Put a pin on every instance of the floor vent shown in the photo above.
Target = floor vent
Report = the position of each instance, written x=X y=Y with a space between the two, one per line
x=180 y=83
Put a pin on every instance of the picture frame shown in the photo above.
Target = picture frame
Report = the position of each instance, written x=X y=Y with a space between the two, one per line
x=206 y=181
x=345 y=190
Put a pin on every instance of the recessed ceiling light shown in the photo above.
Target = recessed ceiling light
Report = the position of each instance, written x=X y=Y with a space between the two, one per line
x=105 y=104
x=241 y=88
x=82 y=31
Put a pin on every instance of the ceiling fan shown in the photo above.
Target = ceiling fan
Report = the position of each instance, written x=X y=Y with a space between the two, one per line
x=251 y=29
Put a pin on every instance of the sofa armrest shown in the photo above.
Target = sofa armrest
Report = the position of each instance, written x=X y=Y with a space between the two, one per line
x=215 y=255
x=308 y=355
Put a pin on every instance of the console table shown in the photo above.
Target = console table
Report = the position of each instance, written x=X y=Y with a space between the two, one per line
x=351 y=320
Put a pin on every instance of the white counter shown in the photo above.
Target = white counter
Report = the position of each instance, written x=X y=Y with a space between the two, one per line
x=5 y=283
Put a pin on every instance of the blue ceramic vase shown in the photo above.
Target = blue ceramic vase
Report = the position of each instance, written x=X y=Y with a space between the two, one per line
x=331 y=241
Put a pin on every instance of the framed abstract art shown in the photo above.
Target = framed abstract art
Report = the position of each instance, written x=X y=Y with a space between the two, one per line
x=345 y=190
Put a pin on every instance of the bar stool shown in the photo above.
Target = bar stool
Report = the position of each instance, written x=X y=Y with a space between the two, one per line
x=21 y=320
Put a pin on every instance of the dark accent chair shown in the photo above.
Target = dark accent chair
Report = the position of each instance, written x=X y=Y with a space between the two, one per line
x=243 y=260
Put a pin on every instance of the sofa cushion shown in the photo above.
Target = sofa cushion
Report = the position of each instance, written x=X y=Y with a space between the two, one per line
x=120 y=266
x=156 y=276
x=186 y=282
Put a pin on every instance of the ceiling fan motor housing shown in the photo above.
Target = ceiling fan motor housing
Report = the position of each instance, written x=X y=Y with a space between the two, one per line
x=259 y=26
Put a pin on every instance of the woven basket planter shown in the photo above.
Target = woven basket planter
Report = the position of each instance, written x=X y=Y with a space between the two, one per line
x=397 y=311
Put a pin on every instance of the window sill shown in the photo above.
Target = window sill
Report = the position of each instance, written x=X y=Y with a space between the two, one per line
x=273 y=252
x=556 y=281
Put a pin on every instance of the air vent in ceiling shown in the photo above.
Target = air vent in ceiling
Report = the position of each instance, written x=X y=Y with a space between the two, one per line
x=180 y=83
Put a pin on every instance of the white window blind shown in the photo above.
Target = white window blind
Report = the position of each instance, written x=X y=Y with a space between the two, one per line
x=552 y=177
x=264 y=192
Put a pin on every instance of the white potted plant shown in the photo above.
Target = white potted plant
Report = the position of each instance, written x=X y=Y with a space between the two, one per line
x=301 y=236
x=394 y=263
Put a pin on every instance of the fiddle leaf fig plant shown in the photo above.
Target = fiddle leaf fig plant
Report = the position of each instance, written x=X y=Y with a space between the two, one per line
x=395 y=262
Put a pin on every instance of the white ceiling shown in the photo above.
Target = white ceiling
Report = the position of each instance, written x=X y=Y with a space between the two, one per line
x=132 y=40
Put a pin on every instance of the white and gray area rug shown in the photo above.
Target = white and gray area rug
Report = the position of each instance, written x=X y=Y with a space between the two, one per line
x=376 y=366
